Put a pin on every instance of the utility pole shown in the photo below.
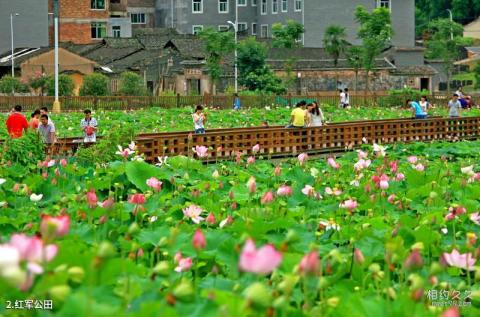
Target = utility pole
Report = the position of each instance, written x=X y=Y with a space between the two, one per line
x=451 y=24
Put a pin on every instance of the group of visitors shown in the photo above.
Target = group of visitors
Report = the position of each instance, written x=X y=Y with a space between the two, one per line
x=455 y=105
x=40 y=121
x=306 y=115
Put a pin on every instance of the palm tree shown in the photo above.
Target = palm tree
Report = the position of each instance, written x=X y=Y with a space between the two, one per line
x=335 y=43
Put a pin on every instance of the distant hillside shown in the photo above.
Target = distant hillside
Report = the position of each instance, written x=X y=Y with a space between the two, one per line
x=464 y=11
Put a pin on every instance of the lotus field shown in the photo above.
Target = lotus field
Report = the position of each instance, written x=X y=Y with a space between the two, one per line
x=382 y=231
x=154 y=120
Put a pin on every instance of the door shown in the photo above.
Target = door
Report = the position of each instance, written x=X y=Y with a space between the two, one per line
x=425 y=84
x=193 y=87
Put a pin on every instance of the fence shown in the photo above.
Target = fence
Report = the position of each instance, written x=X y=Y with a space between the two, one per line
x=280 y=142
x=75 y=103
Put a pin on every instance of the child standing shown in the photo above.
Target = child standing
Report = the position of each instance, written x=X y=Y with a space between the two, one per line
x=89 y=127
x=199 y=119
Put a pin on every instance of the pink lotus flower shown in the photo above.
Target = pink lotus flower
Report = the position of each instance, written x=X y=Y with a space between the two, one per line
x=419 y=167
x=475 y=217
x=238 y=157
x=331 y=161
x=252 y=185
x=362 y=164
x=310 y=263
x=412 y=159
x=394 y=166
x=202 y=151
x=32 y=249
x=250 y=160
x=267 y=198
x=261 y=261
x=391 y=199
x=463 y=261
x=198 y=240
x=399 y=177
x=358 y=256
x=211 y=219
x=92 y=198
x=362 y=155
x=284 y=190
x=125 y=153
x=381 y=182
x=225 y=222
x=308 y=190
x=154 y=183
x=256 y=148
x=193 y=212
x=54 y=226
x=451 y=312
x=335 y=191
x=277 y=171
x=454 y=212
x=183 y=264
x=63 y=162
x=349 y=204
x=137 y=199
x=414 y=260
x=107 y=203
x=302 y=158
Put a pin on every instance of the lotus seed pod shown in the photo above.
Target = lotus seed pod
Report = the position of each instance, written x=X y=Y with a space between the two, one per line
x=258 y=295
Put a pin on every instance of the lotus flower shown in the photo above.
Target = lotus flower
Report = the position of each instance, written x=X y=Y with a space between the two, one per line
x=335 y=191
x=193 y=212
x=32 y=249
x=183 y=264
x=308 y=190
x=211 y=219
x=252 y=185
x=328 y=225
x=358 y=256
x=284 y=190
x=381 y=182
x=198 y=240
x=361 y=164
x=394 y=166
x=310 y=263
x=391 y=199
x=468 y=170
x=399 y=177
x=202 y=151
x=302 y=158
x=63 y=162
x=362 y=155
x=215 y=174
x=56 y=226
x=162 y=160
x=412 y=159
x=331 y=161
x=107 y=203
x=262 y=261
x=35 y=197
x=154 y=183
x=314 y=172
x=137 y=199
x=414 y=260
x=225 y=222
x=454 y=212
x=256 y=148
x=475 y=217
x=125 y=153
x=451 y=312
x=349 y=204
x=250 y=160
x=419 y=167
x=2 y=181
x=277 y=171
x=267 y=198
x=463 y=261
x=379 y=150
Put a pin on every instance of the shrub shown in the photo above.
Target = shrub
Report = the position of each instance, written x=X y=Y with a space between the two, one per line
x=26 y=151
x=65 y=85
x=398 y=97
x=131 y=84
x=95 y=84
x=9 y=84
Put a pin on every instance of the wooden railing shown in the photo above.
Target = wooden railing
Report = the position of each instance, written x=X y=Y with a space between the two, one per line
x=279 y=141
x=75 y=103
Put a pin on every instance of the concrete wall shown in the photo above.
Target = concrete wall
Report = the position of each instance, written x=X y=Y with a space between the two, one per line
x=125 y=26
x=30 y=27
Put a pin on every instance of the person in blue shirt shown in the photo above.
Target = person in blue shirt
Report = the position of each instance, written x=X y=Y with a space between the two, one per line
x=417 y=111
x=236 y=102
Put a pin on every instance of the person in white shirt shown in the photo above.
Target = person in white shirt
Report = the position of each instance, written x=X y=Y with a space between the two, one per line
x=315 y=115
x=89 y=127
x=459 y=92
x=345 y=98
x=199 y=119
x=424 y=104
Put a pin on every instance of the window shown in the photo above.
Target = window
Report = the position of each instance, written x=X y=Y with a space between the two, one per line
x=383 y=4
x=284 y=5
x=242 y=26
x=114 y=1
x=298 y=5
x=223 y=28
x=97 y=4
x=254 y=3
x=264 y=31
x=254 y=28
x=196 y=29
x=116 y=30
x=197 y=6
x=274 y=6
x=222 y=6
x=99 y=30
x=264 y=7
x=242 y=3
x=137 y=18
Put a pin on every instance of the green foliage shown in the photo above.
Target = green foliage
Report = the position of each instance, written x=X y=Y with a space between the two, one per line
x=217 y=45
x=335 y=42
x=398 y=97
x=477 y=76
x=9 y=84
x=65 y=85
x=95 y=84
x=131 y=84
x=104 y=150
x=25 y=151
x=288 y=35
x=264 y=80
x=38 y=83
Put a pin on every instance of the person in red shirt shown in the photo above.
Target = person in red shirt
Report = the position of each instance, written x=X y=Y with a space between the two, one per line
x=16 y=123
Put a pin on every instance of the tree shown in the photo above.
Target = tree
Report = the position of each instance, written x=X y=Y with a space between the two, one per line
x=10 y=85
x=65 y=85
x=254 y=71
x=288 y=35
x=94 y=84
x=217 y=46
x=477 y=76
x=131 y=84
x=375 y=31
x=39 y=82
x=335 y=43
x=354 y=60
x=442 y=46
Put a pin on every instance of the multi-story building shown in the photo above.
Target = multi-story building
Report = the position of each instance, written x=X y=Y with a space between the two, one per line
x=258 y=16
x=30 y=26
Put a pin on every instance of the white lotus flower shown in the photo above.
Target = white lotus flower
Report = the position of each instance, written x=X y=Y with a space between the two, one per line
x=468 y=170
x=379 y=149
x=162 y=160
x=35 y=197
x=2 y=180
x=2 y=203
x=314 y=172
x=215 y=174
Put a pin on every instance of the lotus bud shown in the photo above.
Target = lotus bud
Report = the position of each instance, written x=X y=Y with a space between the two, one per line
x=59 y=293
x=292 y=236
x=162 y=268
x=258 y=295
x=106 y=250
x=417 y=294
x=391 y=293
x=358 y=256
x=134 y=228
x=211 y=219
x=184 y=291
x=414 y=260
x=231 y=195
x=277 y=171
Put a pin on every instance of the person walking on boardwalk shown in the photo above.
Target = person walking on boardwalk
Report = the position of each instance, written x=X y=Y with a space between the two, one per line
x=298 y=116
x=417 y=111
x=89 y=127
x=16 y=123
x=454 y=107
x=199 y=120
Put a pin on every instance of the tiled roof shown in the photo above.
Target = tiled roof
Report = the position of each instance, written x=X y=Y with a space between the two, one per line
x=415 y=70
